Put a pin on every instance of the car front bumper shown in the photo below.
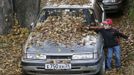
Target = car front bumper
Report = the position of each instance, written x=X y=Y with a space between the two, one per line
x=78 y=68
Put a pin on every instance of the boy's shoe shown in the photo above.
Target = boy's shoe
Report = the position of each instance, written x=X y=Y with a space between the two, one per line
x=118 y=69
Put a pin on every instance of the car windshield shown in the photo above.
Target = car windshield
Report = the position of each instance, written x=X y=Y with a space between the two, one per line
x=86 y=14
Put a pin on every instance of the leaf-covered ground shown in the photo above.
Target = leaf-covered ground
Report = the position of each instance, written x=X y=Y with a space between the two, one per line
x=11 y=50
x=127 y=27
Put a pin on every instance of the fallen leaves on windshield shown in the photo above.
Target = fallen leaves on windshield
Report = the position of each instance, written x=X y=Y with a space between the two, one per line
x=63 y=29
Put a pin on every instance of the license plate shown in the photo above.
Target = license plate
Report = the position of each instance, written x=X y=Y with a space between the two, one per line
x=58 y=66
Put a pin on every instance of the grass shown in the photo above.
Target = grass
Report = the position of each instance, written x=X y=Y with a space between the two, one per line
x=131 y=14
x=131 y=9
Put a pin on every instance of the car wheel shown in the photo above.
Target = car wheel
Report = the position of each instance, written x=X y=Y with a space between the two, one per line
x=24 y=73
x=102 y=69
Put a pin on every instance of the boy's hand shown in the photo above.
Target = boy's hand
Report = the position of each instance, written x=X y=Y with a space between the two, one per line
x=129 y=40
x=86 y=27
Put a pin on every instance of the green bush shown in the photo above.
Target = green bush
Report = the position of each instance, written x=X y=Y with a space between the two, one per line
x=131 y=14
x=131 y=9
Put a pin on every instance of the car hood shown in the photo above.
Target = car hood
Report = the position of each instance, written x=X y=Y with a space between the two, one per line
x=87 y=44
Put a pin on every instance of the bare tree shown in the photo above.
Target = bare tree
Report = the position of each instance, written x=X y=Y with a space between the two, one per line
x=6 y=16
x=26 y=11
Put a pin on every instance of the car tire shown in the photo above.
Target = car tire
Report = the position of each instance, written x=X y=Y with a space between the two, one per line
x=102 y=69
x=24 y=73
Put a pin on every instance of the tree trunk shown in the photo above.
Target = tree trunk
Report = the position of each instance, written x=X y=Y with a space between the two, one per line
x=6 y=16
x=26 y=11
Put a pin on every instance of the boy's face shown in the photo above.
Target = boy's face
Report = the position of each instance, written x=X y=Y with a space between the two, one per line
x=107 y=26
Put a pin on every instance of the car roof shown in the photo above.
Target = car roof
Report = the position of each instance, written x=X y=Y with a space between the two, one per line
x=88 y=5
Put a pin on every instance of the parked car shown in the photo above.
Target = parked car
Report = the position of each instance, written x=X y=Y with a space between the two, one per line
x=54 y=58
x=112 y=6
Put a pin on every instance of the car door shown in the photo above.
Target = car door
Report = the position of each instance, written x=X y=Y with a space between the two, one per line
x=6 y=16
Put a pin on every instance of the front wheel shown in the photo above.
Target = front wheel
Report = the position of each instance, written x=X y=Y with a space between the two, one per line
x=102 y=69
x=24 y=73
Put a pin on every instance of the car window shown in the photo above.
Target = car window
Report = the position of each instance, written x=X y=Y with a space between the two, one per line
x=87 y=14
x=98 y=12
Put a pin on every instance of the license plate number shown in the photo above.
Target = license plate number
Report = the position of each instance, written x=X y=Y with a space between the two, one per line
x=57 y=66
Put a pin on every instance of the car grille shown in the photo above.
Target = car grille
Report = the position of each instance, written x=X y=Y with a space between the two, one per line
x=59 y=57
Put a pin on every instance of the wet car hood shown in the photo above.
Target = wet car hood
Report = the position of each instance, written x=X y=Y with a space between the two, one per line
x=89 y=44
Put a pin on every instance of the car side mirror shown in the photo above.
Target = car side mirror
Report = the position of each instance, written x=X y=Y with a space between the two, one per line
x=96 y=21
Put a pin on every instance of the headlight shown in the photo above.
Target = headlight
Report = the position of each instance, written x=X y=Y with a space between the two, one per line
x=83 y=56
x=107 y=1
x=35 y=56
